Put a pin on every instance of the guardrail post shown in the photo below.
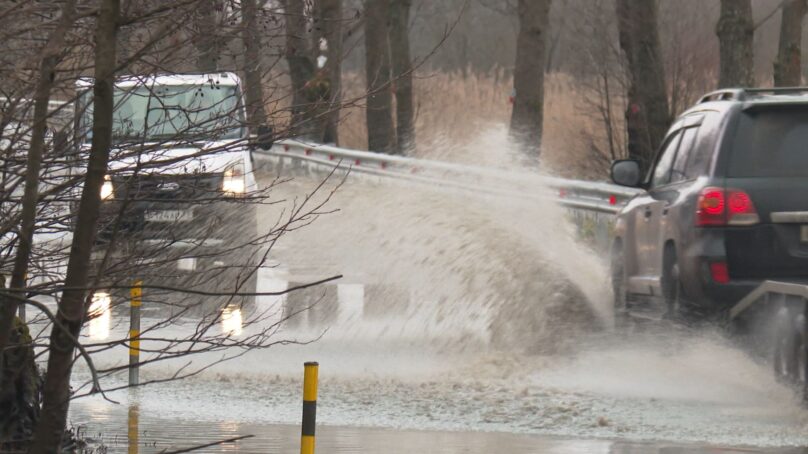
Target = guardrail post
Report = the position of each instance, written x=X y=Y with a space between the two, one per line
x=309 y=407
x=135 y=294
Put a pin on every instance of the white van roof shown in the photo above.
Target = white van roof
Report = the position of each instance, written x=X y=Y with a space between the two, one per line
x=222 y=78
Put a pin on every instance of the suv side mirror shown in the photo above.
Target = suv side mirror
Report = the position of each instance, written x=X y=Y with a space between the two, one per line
x=626 y=172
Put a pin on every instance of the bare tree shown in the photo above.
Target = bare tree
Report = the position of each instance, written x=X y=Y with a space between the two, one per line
x=314 y=56
x=787 y=66
x=381 y=129
x=647 y=115
x=104 y=256
x=735 y=30
x=329 y=21
x=70 y=317
x=601 y=79
x=51 y=55
x=18 y=376
x=207 y=43
x=402 y=74
x=253 y=73
x=298 y=56
x=528 y=77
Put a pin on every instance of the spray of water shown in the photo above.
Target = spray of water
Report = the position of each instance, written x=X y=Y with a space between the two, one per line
x=472 y=267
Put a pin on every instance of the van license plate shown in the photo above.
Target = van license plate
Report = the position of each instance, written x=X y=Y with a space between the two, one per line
x=804 y=233
x=169 y=216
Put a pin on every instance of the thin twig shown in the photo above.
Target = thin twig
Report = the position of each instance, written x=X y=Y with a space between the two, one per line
x=215 y=443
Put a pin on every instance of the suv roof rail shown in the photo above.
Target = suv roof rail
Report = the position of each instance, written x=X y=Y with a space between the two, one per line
x=778 y=90
x=740 y=94
x=726 y=94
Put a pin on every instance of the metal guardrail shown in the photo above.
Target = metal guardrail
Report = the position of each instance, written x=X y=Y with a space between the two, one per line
x=581 y=195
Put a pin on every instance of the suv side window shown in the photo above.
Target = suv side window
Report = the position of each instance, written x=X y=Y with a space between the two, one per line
x=662 y=171
x=684 y=156
x=702 y=154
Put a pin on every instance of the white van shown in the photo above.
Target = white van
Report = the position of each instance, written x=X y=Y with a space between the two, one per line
x=180 y=183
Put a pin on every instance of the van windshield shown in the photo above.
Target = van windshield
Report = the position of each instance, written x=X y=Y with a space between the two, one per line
x=771 y=143
x=173 y=112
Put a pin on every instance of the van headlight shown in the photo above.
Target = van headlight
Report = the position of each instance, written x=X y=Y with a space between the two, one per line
x=233 y=181
x=107 y=191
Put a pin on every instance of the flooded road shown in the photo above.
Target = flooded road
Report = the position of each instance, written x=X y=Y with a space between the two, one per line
x=700 y=391
x=154 y=437
x=462 y=324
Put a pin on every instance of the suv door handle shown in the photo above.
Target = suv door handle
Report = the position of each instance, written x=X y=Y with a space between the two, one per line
x=647 y=213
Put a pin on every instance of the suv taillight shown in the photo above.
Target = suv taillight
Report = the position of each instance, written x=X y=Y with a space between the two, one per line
x=718 y=206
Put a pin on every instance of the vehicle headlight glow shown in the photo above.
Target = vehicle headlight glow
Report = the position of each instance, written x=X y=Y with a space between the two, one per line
x=107 y=191
x=233 y=182
x=100 y=316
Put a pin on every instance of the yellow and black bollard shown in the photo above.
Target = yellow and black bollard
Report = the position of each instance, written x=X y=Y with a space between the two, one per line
x=132 y=433
x=309 y=408
x=136 y=297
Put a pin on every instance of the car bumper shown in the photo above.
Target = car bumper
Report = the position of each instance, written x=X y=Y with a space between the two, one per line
x=177 y=225
x=701 y=289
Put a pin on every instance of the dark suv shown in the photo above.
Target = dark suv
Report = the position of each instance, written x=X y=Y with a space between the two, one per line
x=725 y=206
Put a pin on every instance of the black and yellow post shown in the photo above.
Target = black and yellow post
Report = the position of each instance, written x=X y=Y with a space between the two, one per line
x=309 y=408
x=132 y=433
x=136 y=298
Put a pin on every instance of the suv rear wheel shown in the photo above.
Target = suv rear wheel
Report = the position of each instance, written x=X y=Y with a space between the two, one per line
x=791 y=351
x=618 y=275
x=675 y=302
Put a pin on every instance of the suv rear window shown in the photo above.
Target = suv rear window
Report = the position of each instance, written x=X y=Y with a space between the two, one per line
x=771 y=143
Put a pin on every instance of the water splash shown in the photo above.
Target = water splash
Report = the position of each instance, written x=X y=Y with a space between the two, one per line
x=440 y=263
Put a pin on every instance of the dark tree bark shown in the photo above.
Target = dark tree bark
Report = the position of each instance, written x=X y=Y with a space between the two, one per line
x=72 y=308
x=20 y=396
x=402 y=74
x=253 y=73
x=300 y=60
x=787 y=66
x=51 y=55
x=647 y=115
x=528 y=77
x=207 y=46
x=736 y=30
x=381 y=132
x=328 y=16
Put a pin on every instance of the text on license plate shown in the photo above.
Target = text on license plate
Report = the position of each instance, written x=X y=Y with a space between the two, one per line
x=804 y=233
x=169 y=216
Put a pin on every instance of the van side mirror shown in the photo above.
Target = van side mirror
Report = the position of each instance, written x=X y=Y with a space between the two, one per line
x=263 y=139
x=626 y=172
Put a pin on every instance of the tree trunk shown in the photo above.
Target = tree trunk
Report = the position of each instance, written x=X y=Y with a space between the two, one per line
x=20 y=389
x=402 y=74
x=528 y=77
x=300 y=61
x=329 y=26
x=207 y=49
x=51 y=55
x=381 y=132
x=647 y=115
x=253 y=73
x=787 y=66
x=736 y=31
x=72 y=309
